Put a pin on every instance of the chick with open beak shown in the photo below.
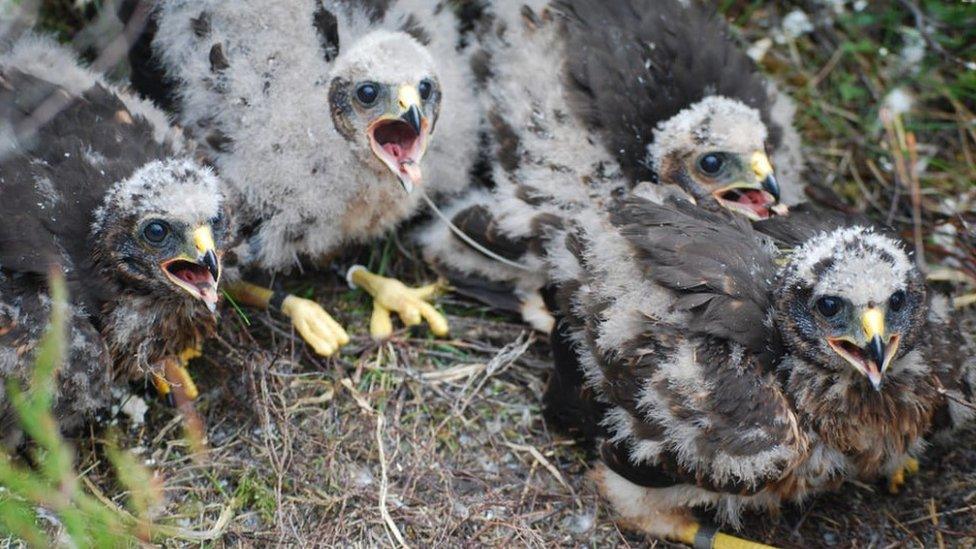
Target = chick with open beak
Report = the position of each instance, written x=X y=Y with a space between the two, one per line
x=869 y=348
x=753 y=190
x=197 y=269
x=715 y=150
x=398 y=137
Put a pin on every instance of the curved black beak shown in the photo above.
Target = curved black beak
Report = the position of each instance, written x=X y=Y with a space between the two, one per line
x=771 y=186
x=210 y=262
x=876 y=351
x=412 y=117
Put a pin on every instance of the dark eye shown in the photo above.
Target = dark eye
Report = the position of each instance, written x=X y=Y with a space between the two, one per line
x=367 y=93
x=896 y=301
x=425 y=88
x=828 y=306
x=155 y=231
x=711 y=163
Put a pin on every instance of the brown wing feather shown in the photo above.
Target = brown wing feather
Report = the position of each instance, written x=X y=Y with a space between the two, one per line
x=479 y=223
x=722 y=270
x=805 y=221
x=677 y=405
x=50 y=186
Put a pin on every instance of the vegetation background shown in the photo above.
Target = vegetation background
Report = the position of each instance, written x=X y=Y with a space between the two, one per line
x=418 y=441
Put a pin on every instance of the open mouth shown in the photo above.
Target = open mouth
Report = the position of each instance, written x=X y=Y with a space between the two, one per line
x=859 y=358
x=400 y=147
x=754 y=203
x=194 y=278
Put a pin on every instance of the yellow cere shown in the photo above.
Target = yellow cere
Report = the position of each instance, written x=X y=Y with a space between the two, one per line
x=873 y=322
x=408 y=96
x=203 y=239
x=760 y=165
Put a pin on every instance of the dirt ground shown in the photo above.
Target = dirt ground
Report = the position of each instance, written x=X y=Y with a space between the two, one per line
x=441 y=442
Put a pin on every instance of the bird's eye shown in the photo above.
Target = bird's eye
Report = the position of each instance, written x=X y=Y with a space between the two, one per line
x=367 y=93
x=155 y=231
x=710 y=164
x=424 y=89
x=828 y=306
x=896 y=301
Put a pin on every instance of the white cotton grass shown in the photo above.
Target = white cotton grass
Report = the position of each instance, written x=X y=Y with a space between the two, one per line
x=796 y=24
x=899 y=101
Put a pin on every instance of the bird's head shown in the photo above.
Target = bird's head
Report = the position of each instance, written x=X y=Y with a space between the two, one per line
x=851 y=301
x=716 y=151
x=385 y=97
x=160 y=232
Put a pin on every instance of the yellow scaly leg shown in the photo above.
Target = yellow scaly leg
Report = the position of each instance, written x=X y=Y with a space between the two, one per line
x=310 y=320
x=175 y=375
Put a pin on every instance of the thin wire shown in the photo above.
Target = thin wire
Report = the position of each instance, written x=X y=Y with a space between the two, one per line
x=470 y=241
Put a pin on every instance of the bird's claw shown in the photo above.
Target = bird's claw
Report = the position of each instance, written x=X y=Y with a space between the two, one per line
x=897 y=480
x=163 y=389
x=392 y=296
x=175 y=377
x=316 y=326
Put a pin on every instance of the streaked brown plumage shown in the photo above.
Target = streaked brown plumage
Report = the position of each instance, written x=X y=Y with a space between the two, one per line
x=713 y=371
x=105 y=191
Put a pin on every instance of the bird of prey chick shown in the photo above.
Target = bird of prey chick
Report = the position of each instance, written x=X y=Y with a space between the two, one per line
x=588 y=99
x=724 y=380
x=327 y=118
x=95 y=183
x=699 y=117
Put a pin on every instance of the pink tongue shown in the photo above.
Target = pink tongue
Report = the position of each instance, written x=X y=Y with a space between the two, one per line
x=393 y=150
x=754 y=198
x=755 y=201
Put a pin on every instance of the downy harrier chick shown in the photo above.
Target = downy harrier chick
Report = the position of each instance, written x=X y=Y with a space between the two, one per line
x=726 y=382
x=324 y=117
x=701 y=117
x=95 y=182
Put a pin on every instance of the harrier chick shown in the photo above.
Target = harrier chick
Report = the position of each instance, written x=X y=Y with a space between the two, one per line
x=325 y=117
x=95 y=182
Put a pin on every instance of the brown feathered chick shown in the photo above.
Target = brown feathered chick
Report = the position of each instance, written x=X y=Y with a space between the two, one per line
x=727 y=382
x=94 y=183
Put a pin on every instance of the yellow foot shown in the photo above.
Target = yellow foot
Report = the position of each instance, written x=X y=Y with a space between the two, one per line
x=391 y=295
x=316 y=327
x=189 y=354
x=897 y=479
